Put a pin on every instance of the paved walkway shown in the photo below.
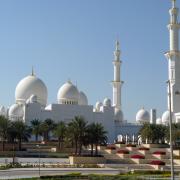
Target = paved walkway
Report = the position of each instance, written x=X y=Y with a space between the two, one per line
x=35 y=160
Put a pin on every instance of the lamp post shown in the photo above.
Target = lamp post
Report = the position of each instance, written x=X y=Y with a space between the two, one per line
x=170 y=129
x=39 y=160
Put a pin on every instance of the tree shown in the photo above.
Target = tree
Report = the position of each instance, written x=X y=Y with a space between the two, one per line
x=77 y=130
x=21 y=132
x=153 y=133
x=4 y=130
x=46 y=127
x=90 y=139
x=175 y=133
x=35 y=124
x=60 y=132
x=100 y=137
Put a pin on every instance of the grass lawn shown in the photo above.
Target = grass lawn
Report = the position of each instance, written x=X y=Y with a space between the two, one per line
x=127 y=176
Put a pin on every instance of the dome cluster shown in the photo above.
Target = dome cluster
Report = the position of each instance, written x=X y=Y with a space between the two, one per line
x=69 y=94
x=33 y=90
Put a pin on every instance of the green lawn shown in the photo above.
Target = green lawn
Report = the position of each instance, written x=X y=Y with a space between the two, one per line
x=127 y=176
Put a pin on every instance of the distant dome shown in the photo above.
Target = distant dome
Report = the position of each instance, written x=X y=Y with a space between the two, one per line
x=16 y=112
x=68 y=94
x=82 y=98
x=98 y=106
x=165 y=117
x=28 y=86
x=107 y=102
x=2 y=111
x=142 y=116
x=118 y=114
x=158 y=121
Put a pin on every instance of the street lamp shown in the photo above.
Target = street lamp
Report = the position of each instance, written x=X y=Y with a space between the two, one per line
x=39 y=160
x=170 y=129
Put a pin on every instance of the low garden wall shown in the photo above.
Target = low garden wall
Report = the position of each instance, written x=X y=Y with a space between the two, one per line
x=86 y=160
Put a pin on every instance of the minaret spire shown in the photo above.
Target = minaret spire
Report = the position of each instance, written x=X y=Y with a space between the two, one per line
x=32 y=73
x=173 y=3
x=117 y=83
x=173 y=56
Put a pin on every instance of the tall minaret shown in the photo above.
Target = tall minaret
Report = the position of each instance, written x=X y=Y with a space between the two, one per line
x=173 y=56
x=117 y=83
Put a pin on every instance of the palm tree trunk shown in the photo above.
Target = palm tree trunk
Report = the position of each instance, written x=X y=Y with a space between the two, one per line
x=80 y=148
x=59 y=142
x=19 y=144
x=36 y=137
x=91 y=149
x=3 y=145
x=76 y=146
x=96 y=150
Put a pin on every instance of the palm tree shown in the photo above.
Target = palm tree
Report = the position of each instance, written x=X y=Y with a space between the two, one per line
x=35 y=124
x=4 y=130
x=51 y=125
x=60 y=132
x=21 y=131
x=44 y=131
x=90 y=136
x=153 y=132
x=77 y=130
x=100 y=137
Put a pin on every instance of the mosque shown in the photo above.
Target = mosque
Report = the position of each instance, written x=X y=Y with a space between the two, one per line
x=31 y=96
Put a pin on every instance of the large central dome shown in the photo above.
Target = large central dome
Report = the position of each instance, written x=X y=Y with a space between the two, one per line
x=31 y=85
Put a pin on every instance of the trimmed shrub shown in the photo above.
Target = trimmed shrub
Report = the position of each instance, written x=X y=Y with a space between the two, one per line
x=120 y=142
x=111 y=147
x=159 y=153
x=130 y=145
x=123 y=151
x=137 y=156
x=157 y=162
x=144 y=149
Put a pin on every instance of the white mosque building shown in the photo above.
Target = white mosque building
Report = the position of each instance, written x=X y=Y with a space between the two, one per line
x=31 y=102
x=31 y=96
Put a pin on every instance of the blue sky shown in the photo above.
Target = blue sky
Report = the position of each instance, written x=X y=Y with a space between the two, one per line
x=74 y=39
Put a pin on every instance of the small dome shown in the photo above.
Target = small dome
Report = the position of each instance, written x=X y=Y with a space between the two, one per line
x=68 y=94
x=107 y=102
x=158 y=121
x=82 y=98
x=2 y=111
x=33 y=99
x=165 y=117
x=28 y=86
x=16 y=112
x=142 y=116
x=98 y=106
x=118 y=114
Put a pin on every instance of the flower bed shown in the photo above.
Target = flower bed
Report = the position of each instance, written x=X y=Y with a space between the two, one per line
x=159 y=153
x=137 y=156
x=123 y=152
x=111 y=147
x=130 y=145
x=120 y=142
x=143 y=149
x=157 y=162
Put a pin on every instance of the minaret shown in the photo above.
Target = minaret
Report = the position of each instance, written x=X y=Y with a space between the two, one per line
x=173 y=56
x=117 y=83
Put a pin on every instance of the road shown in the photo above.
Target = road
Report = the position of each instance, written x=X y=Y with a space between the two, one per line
x=34 y=172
